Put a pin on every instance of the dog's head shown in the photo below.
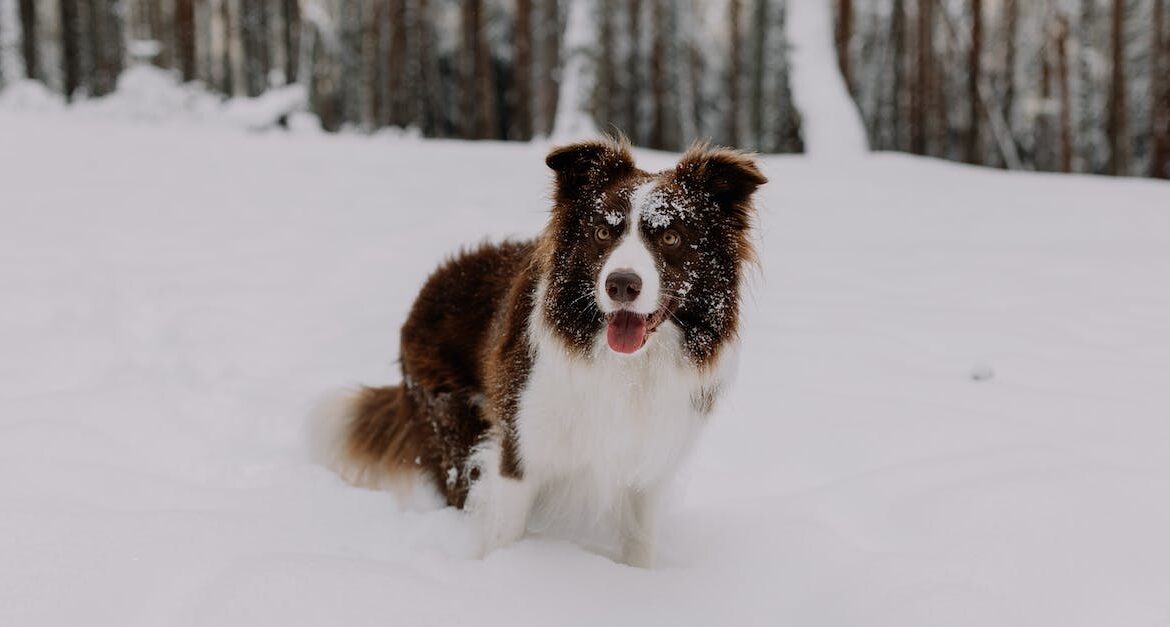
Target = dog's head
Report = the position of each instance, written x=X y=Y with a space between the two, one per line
x=628 y=251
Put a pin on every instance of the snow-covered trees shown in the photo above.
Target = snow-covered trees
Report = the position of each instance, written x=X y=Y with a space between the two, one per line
x=662 y=72
x=1065 y=85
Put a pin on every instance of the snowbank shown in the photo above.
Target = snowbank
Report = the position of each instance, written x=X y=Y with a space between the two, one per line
x=176 y=300
x=146 y=94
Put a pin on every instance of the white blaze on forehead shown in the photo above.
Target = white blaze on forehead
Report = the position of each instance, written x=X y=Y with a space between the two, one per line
x=631 y=254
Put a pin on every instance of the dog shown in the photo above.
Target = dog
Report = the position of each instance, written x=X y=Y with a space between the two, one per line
x=582 y=363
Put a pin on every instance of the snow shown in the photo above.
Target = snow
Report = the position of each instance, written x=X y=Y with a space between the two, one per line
x=830 y=122
x=178 y=296
x=151 y=96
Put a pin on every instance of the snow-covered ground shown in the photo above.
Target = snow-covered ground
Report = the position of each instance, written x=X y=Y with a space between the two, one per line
x=953 y=407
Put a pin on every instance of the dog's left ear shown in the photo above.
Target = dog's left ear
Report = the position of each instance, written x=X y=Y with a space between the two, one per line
x=729 y=176
x=587 y=165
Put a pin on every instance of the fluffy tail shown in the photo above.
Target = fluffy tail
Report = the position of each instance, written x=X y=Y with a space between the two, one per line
x=367 y=437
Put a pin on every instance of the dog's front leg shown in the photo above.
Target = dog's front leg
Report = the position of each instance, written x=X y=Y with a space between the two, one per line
x=637 y=526
x=499 y=505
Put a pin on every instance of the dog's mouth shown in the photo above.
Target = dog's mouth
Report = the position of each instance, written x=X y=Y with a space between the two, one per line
x=627 y=331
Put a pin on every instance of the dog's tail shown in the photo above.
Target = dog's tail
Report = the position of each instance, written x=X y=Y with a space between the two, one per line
x=367 y=436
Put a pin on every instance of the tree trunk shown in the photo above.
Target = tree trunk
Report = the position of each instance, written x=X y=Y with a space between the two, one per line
x=375 y=62
x=106 y=43
x=658 y=77
x=292 y=39
x=733 y=71
x=1044 y=154
x=185 y=37
x=28 y=39
x=400 y=96
x=759 y=60
x=843 y=35
x=921 y=96
x=606 y=65
x=633 y=62
x=427 y=110
x=1118 y=125
x=972 y=146
x=485 y=85
x=70 y=47
x=898 y=89
x=227 y=75
x=254 y=33
x=522 y=74
x=468 y=112
x=550 y=37
x=1066 y=139
x=1011 y=23
x=1159 y=94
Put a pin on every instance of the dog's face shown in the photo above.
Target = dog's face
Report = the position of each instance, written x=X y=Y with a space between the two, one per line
x=628 y=251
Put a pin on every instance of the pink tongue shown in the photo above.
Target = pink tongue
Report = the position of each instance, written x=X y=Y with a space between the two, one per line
x=626 y=332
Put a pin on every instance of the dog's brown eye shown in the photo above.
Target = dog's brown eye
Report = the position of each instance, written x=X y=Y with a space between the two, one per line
x=670 y=238
x=602 y=233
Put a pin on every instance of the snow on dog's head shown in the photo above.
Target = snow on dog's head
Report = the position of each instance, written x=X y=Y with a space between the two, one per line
x=628 y=251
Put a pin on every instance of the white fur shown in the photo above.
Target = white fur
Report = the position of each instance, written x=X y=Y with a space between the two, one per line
x=631 y=254
x=608 y=429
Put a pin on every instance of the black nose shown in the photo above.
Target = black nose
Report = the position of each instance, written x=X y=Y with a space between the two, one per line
x=623 y=286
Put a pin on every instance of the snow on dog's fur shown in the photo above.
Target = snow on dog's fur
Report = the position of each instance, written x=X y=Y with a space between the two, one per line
x=579 y=365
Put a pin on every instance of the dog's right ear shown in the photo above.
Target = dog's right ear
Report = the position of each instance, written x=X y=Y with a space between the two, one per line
x=588 y=165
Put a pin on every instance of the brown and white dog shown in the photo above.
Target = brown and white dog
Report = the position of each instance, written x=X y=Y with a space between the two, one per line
x=580 y=364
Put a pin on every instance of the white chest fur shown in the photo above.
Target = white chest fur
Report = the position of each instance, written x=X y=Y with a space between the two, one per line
x=606 y=424
x=598 y=436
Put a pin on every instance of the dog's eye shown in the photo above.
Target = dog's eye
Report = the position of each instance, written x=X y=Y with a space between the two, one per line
x=670 y=238
x=602 y=233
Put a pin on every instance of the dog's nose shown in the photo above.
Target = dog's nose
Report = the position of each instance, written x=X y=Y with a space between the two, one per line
x=623 y=286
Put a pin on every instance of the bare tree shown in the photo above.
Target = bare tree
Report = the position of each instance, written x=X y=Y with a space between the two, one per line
x=633 y=62
x=1011 y=21
x=921 y=96
x=477 y=112
x=734 y=70
x=424 y=69
x=1062 y=79
x=106 y=45
x=291 y=14
x=1159 y=93
x=29 y=42
x=70 y=47
x=1118 y=127
x=843 y=35
x=756 y=98
x=522 y=73
x=550 y=54
x=227 y=37
x=658 y=76
x=605 y=106
x=253 y=21
x=972 y=146
x=898 y=88
x=185 y=37
x=401 y=98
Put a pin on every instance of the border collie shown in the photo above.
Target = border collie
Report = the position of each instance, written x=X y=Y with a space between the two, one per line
x=582 y=363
